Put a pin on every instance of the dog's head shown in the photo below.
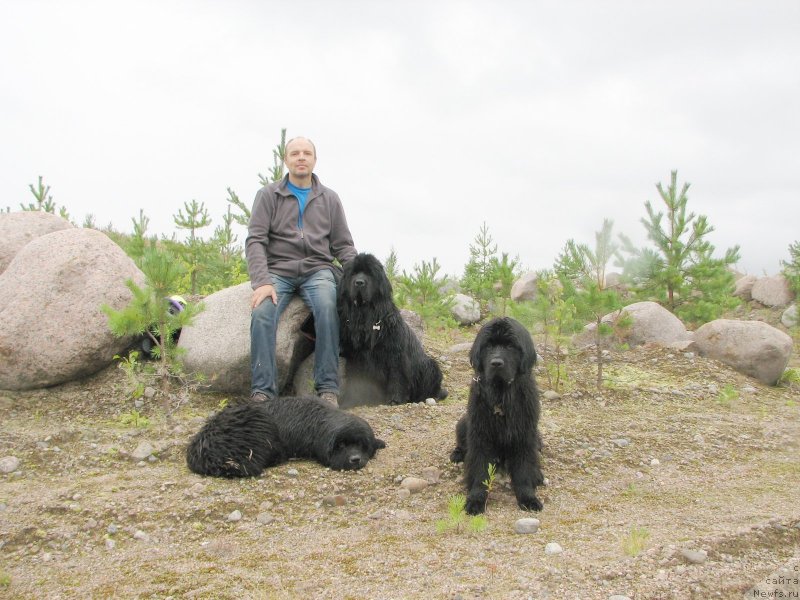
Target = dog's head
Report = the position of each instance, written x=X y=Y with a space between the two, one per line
x=352 y=448
x=365 y=282
x=503 y=350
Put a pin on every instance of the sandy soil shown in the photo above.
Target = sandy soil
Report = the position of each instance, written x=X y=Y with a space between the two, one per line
x=702 y=470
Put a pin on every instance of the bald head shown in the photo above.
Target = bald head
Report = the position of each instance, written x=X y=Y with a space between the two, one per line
x=299 y=140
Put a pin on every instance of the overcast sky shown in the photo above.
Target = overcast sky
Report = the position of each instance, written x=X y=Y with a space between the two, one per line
x=539 y=118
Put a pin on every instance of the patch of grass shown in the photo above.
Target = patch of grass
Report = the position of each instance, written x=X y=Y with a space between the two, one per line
x=727 y=395
x=135 y=418
x=635 y=542
x=5 y=580
x=631 y=491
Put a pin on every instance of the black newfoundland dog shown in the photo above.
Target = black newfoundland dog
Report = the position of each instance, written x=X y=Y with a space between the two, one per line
x=501 y=424
x=243 y=440
x=386 y=363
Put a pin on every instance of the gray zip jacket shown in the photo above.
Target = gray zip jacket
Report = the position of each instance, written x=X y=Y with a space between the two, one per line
x=279 y=242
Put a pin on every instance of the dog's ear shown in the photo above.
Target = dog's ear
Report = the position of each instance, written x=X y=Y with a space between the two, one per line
x=526 y=343
x=477 y=346
x=379 y=443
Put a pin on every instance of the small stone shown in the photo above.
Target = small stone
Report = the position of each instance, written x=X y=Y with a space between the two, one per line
x=551 y=395
x=695 y=557
x=621 y=442
x=655 y=462
x=431 y=474
x=143 y=450
x=112 y=529
x=91 y=524
x=235 y=516
x=110 y=544
x=292 y=472
x=265 y=518
x=9 y=464
x=430 y=401
x=149 y=392
x=403 y=493
x=414 y=484
x=527 y=525
x=141 y=535
x=553 y=548
x=334 y=500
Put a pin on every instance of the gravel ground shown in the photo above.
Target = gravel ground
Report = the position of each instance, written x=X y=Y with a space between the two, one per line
x=678 y=480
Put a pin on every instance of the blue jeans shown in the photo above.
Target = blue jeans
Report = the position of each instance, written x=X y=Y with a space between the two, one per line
x=318 y=291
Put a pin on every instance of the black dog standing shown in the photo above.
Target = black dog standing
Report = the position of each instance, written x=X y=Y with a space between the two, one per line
x=501 y=424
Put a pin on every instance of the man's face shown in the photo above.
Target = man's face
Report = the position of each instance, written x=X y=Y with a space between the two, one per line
x=300 y=158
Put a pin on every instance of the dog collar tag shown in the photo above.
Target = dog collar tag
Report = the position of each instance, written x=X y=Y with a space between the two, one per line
x=376 y=326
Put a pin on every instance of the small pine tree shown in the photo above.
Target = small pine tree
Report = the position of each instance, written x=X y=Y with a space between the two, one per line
x=278 y=156
x=478 y=276
x=148 y=312
x=791 y=268
x=555 y=310
x=680 y=272
x=587 y=268
x=391 y=268
x=244 y=217
x=421 y=292
x=196 y=218
x=138 y=243
x=226 y=265
x=44 y=201
x=504 y=273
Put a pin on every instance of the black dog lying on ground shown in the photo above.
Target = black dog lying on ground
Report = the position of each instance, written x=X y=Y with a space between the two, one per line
x=501 y=424
x=385 y=360
x=243 y=440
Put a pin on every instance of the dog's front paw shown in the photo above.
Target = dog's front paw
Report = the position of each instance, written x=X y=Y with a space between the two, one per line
x=457 y=455
x=476 y=504
x=530 y=503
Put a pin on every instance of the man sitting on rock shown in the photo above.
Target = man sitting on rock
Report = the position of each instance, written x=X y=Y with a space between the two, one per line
x=297 y=227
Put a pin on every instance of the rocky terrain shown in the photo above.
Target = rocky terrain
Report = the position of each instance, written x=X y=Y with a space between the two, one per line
x=679 y=479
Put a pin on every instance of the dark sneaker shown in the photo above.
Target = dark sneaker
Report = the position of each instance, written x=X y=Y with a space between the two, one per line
x=258 y=397
x=330 y=398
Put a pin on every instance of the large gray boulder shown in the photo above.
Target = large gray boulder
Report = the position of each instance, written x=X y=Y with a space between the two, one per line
x=19 y=228
x=651 y=323
x=772 y=291
x=524 y=288
x=744 y=287
x=465 y=310
x=753 y=348
x=789 y=317
x=217 y=344
x=51 y=327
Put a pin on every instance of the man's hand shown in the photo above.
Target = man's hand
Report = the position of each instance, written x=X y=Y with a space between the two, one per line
x=262 y=293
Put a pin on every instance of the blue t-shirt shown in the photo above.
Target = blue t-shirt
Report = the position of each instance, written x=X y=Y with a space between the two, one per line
x=301 y=194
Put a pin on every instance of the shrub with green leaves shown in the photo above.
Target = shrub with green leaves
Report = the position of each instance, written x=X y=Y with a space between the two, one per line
x=421 y=292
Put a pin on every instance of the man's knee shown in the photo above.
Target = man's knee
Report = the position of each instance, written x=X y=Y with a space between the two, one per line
x=263 y=315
